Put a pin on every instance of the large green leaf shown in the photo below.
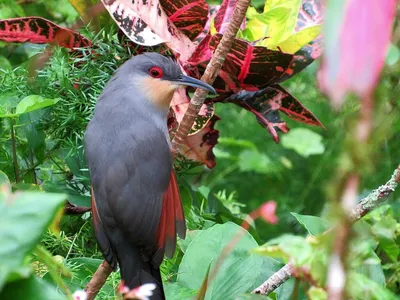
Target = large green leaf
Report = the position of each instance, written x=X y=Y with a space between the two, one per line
x=314 y=225
x=28 y=104
x=287 y=246
x=177 y=291
x=24 y=218
x=32 y=288
x=34 y=102
x=238 y=271
x=304 y=141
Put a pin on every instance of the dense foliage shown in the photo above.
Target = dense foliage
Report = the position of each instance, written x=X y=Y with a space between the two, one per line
x=47 y=100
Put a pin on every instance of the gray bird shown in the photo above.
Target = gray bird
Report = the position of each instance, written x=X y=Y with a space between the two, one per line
x=136 y=205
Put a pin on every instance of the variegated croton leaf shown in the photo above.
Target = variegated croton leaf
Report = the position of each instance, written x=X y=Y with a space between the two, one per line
x=266 y=104
x=146 y=23
x=40 y=31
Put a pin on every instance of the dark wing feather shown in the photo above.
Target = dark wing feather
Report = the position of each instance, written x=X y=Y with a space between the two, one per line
x=130 y=167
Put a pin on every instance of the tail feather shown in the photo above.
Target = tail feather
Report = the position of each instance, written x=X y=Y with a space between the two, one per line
x=135 y=271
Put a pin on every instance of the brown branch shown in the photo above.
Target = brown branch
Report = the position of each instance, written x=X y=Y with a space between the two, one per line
x=210 y=74
x=363 y=207
x=72 y=209
x=98 y=280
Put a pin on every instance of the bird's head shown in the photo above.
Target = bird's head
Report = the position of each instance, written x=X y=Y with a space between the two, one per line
x=157 y=77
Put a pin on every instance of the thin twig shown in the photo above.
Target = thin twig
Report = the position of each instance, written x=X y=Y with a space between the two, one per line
x=14 y=151
x=363 y=207
x=210 y=74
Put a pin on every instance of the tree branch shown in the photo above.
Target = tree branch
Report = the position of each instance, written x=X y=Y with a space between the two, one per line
x=210 y=74
x=98 y=280
x=363 y=207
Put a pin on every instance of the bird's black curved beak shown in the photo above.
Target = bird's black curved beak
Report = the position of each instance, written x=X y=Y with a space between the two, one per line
x=190 y=81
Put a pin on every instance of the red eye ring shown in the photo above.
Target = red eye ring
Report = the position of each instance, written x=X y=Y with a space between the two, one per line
x=156 y=72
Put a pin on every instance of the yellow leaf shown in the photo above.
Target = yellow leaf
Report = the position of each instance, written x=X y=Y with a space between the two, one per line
x=296 y=41
x=255 y=30
x=293 y=6
x=213 y=30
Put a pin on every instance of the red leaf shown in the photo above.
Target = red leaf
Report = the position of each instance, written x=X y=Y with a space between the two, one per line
x=198 y=146
x=146 y=23
x=224 y=16
x=246 y=67
x=310 y=13
x=38 y=30
x=212 y=12
x=180 y=103
x=189 y=16
x=354 y=56
x=293 y=108
x=266 y=104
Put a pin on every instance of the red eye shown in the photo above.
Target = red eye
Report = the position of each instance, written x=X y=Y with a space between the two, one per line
x=156 y=72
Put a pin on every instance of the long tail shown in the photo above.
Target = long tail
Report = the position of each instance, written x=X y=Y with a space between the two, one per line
x=136 y=272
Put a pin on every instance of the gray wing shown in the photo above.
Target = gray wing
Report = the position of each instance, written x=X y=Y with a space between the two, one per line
x=130 y=165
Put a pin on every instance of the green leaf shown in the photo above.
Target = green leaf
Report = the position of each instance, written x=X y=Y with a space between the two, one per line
x=177 y=291
x=359 y=284
x=304 y=141
x=385 y=231
x=238 y=271
x=24 y=219
x=5 y=186
x=287 y=246
x=392 y=56
x=32 y=288
x=34 y=102
x=73 y=196
x=252 y=297
x=372 y=269
x=314 y=225
x=10 y=9
x=316 y=293
x=252 y=160
x=190 y=235
x=31 y=125
x=5 y=64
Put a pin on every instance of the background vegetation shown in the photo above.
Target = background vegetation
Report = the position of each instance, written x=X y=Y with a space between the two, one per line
x=299 y=173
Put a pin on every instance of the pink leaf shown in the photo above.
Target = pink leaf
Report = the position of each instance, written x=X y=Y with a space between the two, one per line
x=355 y=52
x=224 y=16
x=146 y=23
x=189 y=16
